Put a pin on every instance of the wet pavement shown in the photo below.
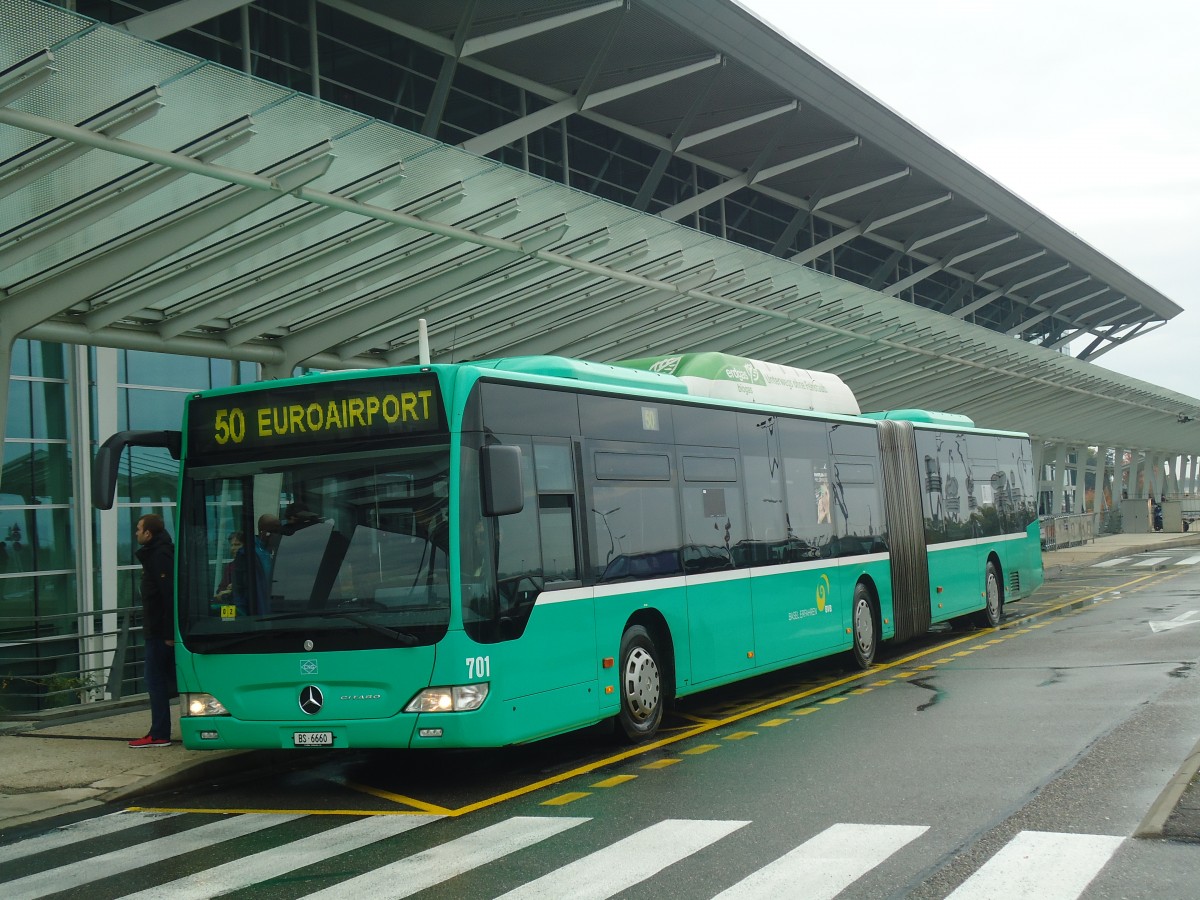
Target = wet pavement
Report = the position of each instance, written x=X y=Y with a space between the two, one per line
x=74 y=760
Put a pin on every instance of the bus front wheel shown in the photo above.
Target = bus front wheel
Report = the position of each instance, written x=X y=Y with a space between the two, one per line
x=641 y=685
x=866 y=634
x=993 y=611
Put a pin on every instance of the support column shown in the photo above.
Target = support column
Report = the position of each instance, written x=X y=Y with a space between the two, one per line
x=109 y=519
x=91 y=643
x=1137 y=480
x=1080 y=488
x=1100 y=503
x=1060 y=474
x=1152 y=477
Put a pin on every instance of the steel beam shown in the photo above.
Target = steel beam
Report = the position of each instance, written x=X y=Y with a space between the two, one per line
x=491 y=141
x=504 y=36
x=756 y=174
x=176 y=17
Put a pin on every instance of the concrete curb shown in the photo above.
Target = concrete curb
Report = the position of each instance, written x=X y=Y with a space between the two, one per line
x=1153 y=825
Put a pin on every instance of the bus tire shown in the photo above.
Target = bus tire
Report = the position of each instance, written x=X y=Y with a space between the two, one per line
x=865 y=627
x=993 y=610
x=641 y=685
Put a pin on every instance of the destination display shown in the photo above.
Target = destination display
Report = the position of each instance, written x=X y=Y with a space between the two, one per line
x=330 y=412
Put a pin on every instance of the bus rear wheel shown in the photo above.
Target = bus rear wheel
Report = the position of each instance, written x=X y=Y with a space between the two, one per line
x=993 y=611
x=641 y=685
x=866 y=632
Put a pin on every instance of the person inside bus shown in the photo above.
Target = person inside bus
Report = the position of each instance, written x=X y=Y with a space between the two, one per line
x=227 y=590
x=265 y=544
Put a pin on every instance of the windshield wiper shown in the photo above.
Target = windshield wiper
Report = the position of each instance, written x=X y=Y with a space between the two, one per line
x=227 y=642
x=400 y=637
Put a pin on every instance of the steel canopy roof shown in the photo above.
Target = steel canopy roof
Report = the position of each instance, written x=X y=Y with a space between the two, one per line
x=152 y=200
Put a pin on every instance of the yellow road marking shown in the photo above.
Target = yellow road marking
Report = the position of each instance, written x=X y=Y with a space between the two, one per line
x=564 y=799
x=661 y=763
x=740 y=735
x=239 y=811
x=614 y=781
x=696 y=751
x=398 y=798
x=773 y=723
x=699 y=720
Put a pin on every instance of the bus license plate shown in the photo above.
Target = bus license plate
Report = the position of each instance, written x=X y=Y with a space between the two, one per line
x=312 y=738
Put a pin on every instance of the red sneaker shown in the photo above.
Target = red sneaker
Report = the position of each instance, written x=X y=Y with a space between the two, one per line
x=148 y=741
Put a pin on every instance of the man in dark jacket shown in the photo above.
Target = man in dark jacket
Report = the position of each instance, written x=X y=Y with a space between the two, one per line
x=157 y=556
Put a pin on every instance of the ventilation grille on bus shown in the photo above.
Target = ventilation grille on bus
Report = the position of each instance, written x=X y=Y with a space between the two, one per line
x=1014 y=582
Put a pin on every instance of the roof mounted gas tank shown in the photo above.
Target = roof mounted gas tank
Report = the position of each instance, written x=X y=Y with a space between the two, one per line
x=724 y=377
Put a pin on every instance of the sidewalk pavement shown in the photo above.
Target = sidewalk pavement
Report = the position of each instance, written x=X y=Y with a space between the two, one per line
x=81 y=759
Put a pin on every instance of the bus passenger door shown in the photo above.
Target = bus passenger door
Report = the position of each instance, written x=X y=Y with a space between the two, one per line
x=720 y=612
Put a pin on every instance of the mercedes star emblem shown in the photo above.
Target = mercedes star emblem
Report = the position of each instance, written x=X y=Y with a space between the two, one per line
x=311 y=700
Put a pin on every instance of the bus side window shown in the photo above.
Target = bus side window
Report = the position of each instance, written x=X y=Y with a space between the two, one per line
x=556 y=511
x=805 y=446
x=519 y=572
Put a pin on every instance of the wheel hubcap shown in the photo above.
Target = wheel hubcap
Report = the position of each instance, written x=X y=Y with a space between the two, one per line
x=993 y=595
x=641 y=684
x=864 y=627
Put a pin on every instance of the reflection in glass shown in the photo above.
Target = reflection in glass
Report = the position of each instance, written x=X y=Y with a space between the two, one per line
x=353 y=549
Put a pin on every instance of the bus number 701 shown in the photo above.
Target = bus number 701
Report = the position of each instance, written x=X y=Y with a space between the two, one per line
x=479 y=667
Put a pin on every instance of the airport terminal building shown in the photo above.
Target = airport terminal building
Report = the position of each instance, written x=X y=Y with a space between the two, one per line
x=202 y=193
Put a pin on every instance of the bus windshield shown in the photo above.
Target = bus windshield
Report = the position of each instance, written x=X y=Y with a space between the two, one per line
x=348 y=551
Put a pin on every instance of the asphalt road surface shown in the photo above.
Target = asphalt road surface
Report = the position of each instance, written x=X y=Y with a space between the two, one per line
x=1016 y=763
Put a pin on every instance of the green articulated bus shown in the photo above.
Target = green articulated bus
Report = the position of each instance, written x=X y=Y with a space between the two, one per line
x=494 y=552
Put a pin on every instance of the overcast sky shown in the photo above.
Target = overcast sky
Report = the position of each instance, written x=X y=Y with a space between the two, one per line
x=1089 y=110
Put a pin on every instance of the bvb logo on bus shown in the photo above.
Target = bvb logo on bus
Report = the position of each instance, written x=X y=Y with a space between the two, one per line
x=822 y=592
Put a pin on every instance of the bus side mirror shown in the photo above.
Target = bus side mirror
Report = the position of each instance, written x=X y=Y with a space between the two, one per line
x=500 y=471
x=108 y=459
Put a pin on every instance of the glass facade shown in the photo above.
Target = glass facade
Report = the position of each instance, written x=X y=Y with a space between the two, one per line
x=59 y=622
x=37 y=523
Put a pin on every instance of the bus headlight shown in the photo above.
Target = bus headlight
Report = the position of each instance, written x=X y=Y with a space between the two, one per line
x=202 y=705
x=459 y=698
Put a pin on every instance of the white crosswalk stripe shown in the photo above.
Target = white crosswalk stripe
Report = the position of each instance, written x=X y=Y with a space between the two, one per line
x=1149 y=561
x=1190 y=561
x=1038 y=865
x=259 y=867
x=88 y=870
x=823 y=867
x=1032 y=866
x=1109 y=563
x=627 y=862
x=87 y=830
x=441 y=863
